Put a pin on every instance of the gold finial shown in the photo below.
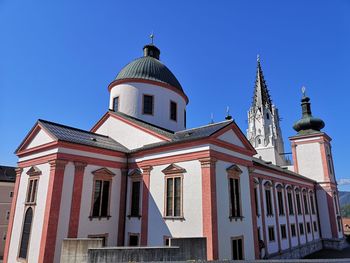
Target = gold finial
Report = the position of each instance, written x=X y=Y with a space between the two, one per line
x=303 y=90
x=152 y=38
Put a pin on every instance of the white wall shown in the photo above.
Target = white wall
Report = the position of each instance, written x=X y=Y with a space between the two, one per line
x=310 y=161
x=40 y=138
x=130 y=103
x=126 y=134
x=231 y=137
x=191 y=226
x=38 y=215
x=227 y=228
x=97 y=226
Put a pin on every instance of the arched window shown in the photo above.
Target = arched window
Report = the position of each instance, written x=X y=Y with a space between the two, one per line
x=267 y=116
x=23 y=251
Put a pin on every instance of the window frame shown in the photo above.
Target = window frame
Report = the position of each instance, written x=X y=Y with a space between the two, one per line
x=283 y=226
x=234 y=239
x=135 y=176
x=102 y=174
x=269 y=205
x=298 y=202
x=290 y=201
x=273 y=232
x=280 y=201
x=234 y=173
x=315 y=226
x=19 y=258
x=138 y=239
x=293 y=227
x=301 y=229
x=118 y=106
x=170 y=111
x=143 y=104
x=103 y=236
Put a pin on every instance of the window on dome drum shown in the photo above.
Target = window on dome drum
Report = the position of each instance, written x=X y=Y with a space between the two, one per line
x=185 y=119
x=235 y=199
x=290 y=203
x=237 y=248
x=256 y=201
x=135 y=199
x=312 y=204
x=173 y=111
x=27 y=225
x=116 y=104
x=173 y=202
x=301 y=228
x=133 y=240
x=148 y=105
x=293 y=230
x=298 y=203
x=280 y=202
x=101 y=198
x=306 y=206
x=283 y=232
x=31 y=191
x=308 y=227
x=315 y=226
x=271 y=233
x=269 y=211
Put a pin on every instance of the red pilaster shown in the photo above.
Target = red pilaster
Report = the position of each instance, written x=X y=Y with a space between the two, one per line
x=287 y=215
x=52 y=210
x=122 y=207
x=296 y=215
x=254 y=215
x=262 y=207
x=12 y=214
x=209 y=207
x=76 y=199
x=276 y=216
x=146 y=172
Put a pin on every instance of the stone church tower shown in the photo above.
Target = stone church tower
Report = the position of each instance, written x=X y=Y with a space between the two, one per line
x=264 y=131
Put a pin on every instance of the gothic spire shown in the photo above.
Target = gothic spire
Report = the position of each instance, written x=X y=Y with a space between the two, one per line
x=261 y=93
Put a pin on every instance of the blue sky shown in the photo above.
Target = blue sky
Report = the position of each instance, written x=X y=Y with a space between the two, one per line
x=58 y=57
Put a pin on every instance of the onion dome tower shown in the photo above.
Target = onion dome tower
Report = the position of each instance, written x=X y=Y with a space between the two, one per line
x=307 y=124
x=147 y=90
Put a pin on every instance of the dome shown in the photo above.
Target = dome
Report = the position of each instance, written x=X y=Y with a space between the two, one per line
x=308 y=124
x=149 y=67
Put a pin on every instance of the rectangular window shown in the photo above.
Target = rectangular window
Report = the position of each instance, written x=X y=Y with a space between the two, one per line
x=312 y=204
x=256 y=201
x=185 y=118
x=268 y=202
x=116 y=104
x=336 y=204
x=235 y=198
x=237 y=249
x=283 y=232
x=293 y=230
x=280 y=203
x=315 y=226
x=339 y=224
x=173 y=196
x=7 y=215
x=101 y=199
x=11 y=194
x=148 y=104
x=31 y=192
x=166 y=240
x=306 y=206
x=301 y=228
x=271 y=233
x=290 y=203
x=308 y=227
x=133 y=240
x=135 y=199
x=173 y=111
x=259 y=236
x=298 y=203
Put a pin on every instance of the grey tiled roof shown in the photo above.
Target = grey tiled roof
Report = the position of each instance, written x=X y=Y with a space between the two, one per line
x=74 y=135
x=280 y=169
x=159 y=130
x=7 y=174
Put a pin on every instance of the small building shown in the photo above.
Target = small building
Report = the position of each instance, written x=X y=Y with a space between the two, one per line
x=7 y=183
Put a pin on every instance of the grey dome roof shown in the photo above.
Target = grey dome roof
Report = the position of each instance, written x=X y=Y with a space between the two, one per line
x=150 y=68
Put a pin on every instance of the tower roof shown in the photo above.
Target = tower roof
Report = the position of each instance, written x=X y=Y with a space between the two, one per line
x=149 y=67
x=307 y=124
x=261 y=93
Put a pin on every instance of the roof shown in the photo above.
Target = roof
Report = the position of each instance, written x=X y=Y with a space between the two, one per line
x=74 y=135
x=149 y=67
x=269 y=165
x=7 y=174
x=261 y=93
x=189 y=135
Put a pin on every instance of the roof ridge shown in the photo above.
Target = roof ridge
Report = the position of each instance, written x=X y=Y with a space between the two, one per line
x=70 y=127
x=208 y=125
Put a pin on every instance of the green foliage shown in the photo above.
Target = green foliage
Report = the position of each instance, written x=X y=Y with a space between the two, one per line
x=345 y=210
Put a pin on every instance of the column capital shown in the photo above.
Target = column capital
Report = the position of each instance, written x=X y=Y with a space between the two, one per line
x=146 y=169
x=79 y=165
x=18 y=171
x=58 y=164
x=251 y=169
x=207 y=161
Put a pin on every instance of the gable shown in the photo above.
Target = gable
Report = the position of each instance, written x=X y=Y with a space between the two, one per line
x=231 y=138
x=36 y=137
x=126 y=133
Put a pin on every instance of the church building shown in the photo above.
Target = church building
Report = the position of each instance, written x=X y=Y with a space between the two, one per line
x=140 y=177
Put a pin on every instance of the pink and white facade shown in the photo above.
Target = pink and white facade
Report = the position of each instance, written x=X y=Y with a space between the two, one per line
x=139 y=177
